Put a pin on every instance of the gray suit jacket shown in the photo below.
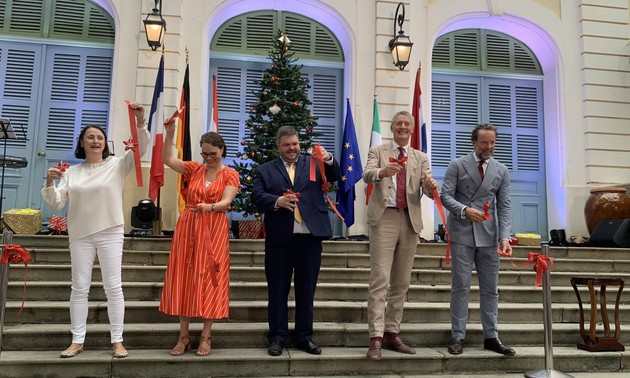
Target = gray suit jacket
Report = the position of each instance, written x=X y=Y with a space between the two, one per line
x=417 y=163
x=462 y=186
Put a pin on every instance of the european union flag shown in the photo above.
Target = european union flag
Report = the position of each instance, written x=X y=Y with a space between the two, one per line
x=351 y=169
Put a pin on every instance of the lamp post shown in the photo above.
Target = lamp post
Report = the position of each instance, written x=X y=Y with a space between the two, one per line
x=155 y=26
x=400 y=45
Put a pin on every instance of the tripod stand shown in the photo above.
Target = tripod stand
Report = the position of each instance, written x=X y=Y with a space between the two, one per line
x=6 y=133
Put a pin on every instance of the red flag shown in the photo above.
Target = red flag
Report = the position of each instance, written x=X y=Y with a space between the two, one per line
x=183 y=139
x=156 y=127
x=214 y=122
x=419 y=135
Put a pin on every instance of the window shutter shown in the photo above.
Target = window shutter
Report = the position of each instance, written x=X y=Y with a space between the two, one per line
x=252 y=33
x=483 y=50
x=326 y=100
x=79 y=20
x=80 y=89
x=18 y=64
x=26 y=17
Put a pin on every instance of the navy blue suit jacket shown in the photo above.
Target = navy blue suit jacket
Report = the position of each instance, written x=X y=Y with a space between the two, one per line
x=272 y=180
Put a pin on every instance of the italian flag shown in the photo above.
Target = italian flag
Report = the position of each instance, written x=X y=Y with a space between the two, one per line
x=375 y=140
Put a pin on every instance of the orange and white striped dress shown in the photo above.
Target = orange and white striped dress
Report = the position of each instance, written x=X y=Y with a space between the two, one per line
x=188 y=289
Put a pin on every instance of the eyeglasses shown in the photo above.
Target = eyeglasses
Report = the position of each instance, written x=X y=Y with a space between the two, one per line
x=212 y=155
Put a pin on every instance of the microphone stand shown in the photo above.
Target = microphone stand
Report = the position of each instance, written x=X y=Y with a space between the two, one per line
x=5 y=128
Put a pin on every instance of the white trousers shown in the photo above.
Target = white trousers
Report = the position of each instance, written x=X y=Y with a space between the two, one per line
x=107 y=245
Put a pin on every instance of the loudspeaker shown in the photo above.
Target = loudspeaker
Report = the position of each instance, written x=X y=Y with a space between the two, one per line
x=611 y=233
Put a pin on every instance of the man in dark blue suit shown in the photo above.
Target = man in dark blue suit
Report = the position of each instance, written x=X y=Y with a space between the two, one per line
x=296 y=222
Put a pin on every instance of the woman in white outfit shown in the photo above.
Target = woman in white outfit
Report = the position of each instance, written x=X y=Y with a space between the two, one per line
x=93 y=190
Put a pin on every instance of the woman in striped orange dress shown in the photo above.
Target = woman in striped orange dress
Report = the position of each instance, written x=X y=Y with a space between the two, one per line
x=198 y=272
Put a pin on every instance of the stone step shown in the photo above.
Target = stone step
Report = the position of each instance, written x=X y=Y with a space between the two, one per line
x=35 y=312
x=241 y=291
x=342 y=260
x=137 y=273
x=255 y=362
x=250 y=245
x=227 y=334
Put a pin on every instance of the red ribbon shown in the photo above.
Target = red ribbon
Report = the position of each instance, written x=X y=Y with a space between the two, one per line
x=211 y=263
x=15 y=254
x=58 y=224
x=62 y=166
x=540 y=265
x=289 y=192
x=134 y=137
x=438 y=204
x=129 y=145
x=402 y=161
x=486 y=211
x=318 y=159
x=175 y=115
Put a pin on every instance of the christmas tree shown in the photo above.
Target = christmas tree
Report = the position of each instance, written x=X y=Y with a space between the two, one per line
x=281 y=100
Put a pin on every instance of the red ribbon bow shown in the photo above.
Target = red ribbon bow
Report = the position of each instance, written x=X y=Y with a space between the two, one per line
x=58 y=224
x=62 y=166
x=402 y=161
x=486 y=212
x=130 y=145
x=540 y=265
x=289 y=192
x=317 y=159
x=15 y=254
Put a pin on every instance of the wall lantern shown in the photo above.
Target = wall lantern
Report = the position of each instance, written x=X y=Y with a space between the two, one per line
x=155 y=26
x=400 y=45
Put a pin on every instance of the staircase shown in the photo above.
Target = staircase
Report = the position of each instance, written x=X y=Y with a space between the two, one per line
x=32 y=341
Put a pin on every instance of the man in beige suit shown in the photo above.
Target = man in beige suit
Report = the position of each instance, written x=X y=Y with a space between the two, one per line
x=400 y=175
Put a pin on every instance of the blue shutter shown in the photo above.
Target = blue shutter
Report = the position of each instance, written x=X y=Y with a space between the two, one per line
x=459 y=102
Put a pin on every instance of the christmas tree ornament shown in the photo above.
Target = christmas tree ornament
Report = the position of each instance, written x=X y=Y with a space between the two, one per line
x=284 y=41
x=296 y=104
x=274 y=79
x=275 y=109
x=242 y=143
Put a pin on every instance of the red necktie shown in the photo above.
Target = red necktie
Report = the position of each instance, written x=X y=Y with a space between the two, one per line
x=401 y=185
x=480 y=168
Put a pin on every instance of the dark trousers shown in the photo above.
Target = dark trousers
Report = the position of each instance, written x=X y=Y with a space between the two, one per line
x=302 y=255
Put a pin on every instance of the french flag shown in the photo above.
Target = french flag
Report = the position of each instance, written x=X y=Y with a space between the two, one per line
x=156 y=128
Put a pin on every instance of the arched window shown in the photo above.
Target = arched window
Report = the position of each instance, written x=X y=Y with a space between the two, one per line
x=486 y=76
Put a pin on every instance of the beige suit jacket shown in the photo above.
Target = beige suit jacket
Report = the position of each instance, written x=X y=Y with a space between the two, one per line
x=417 y=164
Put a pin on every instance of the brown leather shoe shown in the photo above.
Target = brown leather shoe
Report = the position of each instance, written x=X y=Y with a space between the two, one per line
x=374 y=353
x=456 y=347
x=395 y=343
x=496 y=345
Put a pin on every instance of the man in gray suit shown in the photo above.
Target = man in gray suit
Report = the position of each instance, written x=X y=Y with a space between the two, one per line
x=476 y=192
x=399 y=174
